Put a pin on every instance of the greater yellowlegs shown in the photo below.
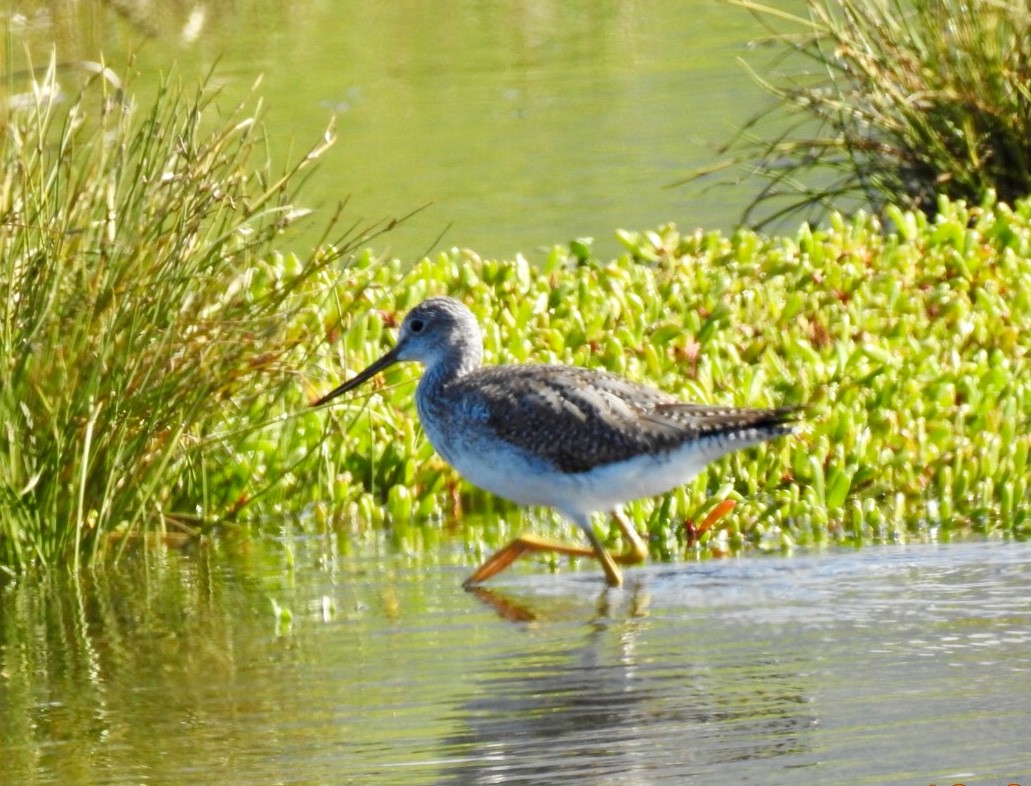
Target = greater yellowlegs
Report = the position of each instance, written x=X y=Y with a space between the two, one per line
x=569 y=438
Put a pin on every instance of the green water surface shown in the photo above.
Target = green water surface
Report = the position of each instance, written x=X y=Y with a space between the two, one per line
x=521 y=125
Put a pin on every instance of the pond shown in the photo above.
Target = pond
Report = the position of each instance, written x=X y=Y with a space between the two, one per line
x=340 y=661
x=887 y=665
x=521 y=125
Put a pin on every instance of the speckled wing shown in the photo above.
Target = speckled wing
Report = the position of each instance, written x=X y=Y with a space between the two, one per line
x=580 y=419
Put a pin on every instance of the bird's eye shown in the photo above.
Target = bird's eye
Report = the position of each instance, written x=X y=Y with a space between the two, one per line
x=416 y=325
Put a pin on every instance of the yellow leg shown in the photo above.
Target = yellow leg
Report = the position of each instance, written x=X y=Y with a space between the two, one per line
x=636 y=552
x=508 y=554
x=612 y=575
x=636 y=548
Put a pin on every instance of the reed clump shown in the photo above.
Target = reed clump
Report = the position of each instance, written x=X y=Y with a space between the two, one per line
x=142 y=311
x=884 y=102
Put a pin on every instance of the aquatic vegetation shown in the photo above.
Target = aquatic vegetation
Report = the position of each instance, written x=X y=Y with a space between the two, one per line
x=158 y=354
x=911 y=350
x=143 y=310
x=890 y=102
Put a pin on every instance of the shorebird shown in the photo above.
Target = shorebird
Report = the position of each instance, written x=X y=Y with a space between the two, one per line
x=573 y=439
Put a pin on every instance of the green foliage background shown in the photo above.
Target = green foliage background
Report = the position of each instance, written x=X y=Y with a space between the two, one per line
x=910 y=350
x=158 y=353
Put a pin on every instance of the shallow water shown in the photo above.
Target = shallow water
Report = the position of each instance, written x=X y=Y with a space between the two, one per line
x=886 y=665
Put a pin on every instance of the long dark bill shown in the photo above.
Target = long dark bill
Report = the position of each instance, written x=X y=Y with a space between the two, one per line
x=388 y=359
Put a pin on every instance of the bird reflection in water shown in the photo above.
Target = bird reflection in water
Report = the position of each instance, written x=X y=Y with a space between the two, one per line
x=514 y=609
x=628 y=704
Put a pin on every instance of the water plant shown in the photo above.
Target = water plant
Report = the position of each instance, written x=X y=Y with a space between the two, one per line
x=889 y=102
x=158 y=353
x=142 y=309
x=910 y=348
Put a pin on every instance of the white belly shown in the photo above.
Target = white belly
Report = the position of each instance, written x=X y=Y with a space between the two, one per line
x=509 y=473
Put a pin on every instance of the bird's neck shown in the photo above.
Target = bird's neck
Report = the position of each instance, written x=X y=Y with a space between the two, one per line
x=431 y=396
x=451 y=365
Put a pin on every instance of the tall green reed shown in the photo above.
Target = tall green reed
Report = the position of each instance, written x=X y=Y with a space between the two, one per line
x=142 y=309
x=889 y=102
